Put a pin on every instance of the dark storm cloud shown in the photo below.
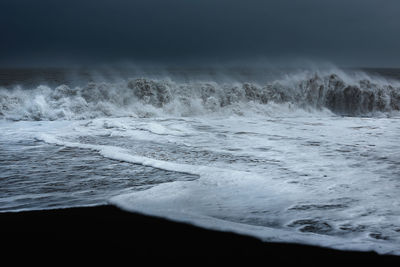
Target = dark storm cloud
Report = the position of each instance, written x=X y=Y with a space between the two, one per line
x=352 y=32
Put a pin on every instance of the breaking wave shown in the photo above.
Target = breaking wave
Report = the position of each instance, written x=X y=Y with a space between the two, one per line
x=337 y=92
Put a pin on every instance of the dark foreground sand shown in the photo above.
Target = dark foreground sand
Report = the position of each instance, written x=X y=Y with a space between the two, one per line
x=107 y=234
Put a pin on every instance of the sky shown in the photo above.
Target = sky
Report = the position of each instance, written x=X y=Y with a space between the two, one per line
x=362 y=33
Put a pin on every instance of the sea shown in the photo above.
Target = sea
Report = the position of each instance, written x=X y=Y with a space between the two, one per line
x=299 y=155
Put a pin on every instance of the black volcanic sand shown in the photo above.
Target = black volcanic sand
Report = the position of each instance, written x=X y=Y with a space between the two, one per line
x=105 y=234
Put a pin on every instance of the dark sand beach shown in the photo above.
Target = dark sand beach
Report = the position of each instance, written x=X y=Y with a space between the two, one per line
x=106 y=233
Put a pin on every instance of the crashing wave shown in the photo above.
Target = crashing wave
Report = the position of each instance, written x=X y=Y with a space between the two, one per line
x=150 y=97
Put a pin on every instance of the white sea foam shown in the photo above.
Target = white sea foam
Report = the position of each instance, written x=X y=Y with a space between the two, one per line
x=320 y=179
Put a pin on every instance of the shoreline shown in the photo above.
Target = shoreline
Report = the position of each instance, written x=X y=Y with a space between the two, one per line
x=106 y=232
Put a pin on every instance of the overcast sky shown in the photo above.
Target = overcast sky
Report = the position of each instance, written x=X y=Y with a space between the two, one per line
x=344 y=32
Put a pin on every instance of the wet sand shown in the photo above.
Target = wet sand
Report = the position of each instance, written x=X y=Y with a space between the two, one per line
x=107 y=234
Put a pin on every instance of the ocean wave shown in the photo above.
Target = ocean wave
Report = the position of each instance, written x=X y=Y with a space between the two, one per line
x=336 y=91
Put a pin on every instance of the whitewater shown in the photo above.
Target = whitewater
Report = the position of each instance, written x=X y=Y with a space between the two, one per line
x=306 y=156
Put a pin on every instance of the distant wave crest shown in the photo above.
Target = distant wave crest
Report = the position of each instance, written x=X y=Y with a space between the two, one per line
x=337 y=92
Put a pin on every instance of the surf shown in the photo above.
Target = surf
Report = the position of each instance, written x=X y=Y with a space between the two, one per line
x=335 y=91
